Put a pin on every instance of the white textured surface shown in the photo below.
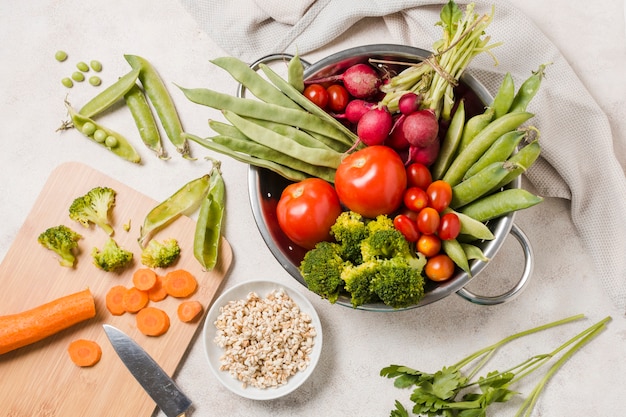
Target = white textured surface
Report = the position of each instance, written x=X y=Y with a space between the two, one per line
x=357 y=344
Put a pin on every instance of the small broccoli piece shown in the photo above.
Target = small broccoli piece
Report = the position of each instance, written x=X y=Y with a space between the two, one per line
x=398 y=281
x=160 y=254
x=358 y=282
x=94 y=207
x=381 y=222
x=385 y=244
x=62 y=240
x=349 y=230
x=321 y=269
x=111 y=257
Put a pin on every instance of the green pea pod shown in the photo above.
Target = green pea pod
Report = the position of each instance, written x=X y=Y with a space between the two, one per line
x=183 y=202
x=162 y=101
x=473 y=252
x=528 y=90
x=524 y=158
x=146 y=124
x=499 y=151
x=209 y=224
x=450 y=142
x=110 y=95
x=504 y=97
x=472 y=228
x=88 y=127
x=474 y=125
x=500 y=204
x=295 y=73
x=479 y=184
x=455 y=251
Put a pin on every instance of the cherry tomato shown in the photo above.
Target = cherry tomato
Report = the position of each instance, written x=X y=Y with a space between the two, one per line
x=449 y=226
x=415 y=199
x=429 y=245
x=306 y=211
x=439 y=267
x=371 y=181
x=428 y=221
x=317 y=94
x=439 y=195
x=338 y=98
x=409 y=213
x=418 y=175
x=407 y=227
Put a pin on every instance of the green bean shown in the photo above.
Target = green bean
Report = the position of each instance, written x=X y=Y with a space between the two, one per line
x=144 y=119
x=483 y=140
x=122 y=148
x=82 y=66
x=60 y=56
x=504 y=97
x=298 y=135
x=528 y=90
x=500 y=204
x=96 y=65
x=184 y=201
x=524 y=158
x=95 y=80
x=110 y=95
x=162 y=101
x=472 y=228
x=78 y=76
x=450 y=142
x=67 y=82
x=227 y=129
x=499 y=151
x=455 y=251
x=475 y=125
x=479 y=184
x=253 y=82
x=295 y=73
x=473 y=252
x=208 y=232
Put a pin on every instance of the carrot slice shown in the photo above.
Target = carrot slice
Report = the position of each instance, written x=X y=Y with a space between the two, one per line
x=188 y=310
x=115 y=300
x=84 y=352
x=144 y=279
x=180 y=283
x=135 y=299
x=21 y=329
x=157 y=292
x=152 y=321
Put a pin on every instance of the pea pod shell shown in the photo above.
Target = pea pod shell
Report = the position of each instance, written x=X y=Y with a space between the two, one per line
x=499 y=151
x=110 y=95
x=500 y=204
x=295 y=73
x=473 y=252
x=479 y=184
x=450 y=143
x=471 y=227
x=209 y=224
x=504 y=97
x=524 y=158
x=528 y=90
x=455 y=251
x=144 y=120
x=473 y=126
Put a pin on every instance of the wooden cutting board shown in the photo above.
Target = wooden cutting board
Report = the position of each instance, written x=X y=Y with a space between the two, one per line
x=40 y=379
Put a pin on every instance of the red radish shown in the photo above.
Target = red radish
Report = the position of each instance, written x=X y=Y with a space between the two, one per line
x=374 y=126
x=409 y=103
x=361 y=80
x=420 y=128
x=356 y=109
x=424 y=155
x=396 y=139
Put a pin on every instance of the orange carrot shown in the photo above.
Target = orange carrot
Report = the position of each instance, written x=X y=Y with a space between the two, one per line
x=21 y=329
x=158 y=292
x=152 y=321
x=115 y=300
x=189 y=310
x=84 y=352
x=134 y=299
x=144 y=279
x=180 y=283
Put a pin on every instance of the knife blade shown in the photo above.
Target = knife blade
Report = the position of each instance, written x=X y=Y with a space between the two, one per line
x=163 y=390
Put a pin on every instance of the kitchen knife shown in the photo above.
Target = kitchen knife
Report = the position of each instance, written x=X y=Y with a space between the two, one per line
x=150 y=375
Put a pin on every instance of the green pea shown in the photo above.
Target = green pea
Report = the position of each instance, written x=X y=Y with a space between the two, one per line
x=60 y=56
x=78 y=76
x=95 y=81
x=67 y=82
x=82 y=66
x=110 y=141
x=96 y=65
x=99 y=136
x=89 y=128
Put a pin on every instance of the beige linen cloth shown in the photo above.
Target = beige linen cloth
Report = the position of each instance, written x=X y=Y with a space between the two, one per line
x=578 y=161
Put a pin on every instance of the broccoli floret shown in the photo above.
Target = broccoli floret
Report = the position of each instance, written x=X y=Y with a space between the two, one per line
x=381 y=222
x=94 y=207
x=111 y=257
x=160 y=254
x=358 y=280
x=321 y=269
x=398 y=281
x=385 y=244
x=62 y=240
x=349 y=230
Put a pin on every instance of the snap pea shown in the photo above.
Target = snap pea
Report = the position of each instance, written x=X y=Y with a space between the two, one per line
x=471 y=227
x=479 y=184
x=160 y=98
x=146 y=124
x=524 y=158
x=295 y=73
x=455 y=251
x=208 y=231
x=499 y=151
x=450 y=142
x=110 y=95
x=474 y=125
x=528 y=90
x=504 y=97
x=473 y=252
x=183 y=202
x=500 y=204
x=468 y=156
x=122 y=147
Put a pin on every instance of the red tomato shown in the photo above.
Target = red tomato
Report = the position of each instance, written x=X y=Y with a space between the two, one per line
x=371 y=181
x=306 y=211
x=428 y=221
x=407 y=227
x=415 y=199
x=317 y=94
x=338 y=98
x=439 y=195
x=418 y=175
x=429 y=245
x=449 y=226
x=439 y=268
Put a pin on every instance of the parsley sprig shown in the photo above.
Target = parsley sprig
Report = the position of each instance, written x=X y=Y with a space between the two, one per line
x=436 y=394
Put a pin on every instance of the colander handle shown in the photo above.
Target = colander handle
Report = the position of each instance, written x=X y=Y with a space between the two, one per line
x=513 y=292
x=241 y=90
